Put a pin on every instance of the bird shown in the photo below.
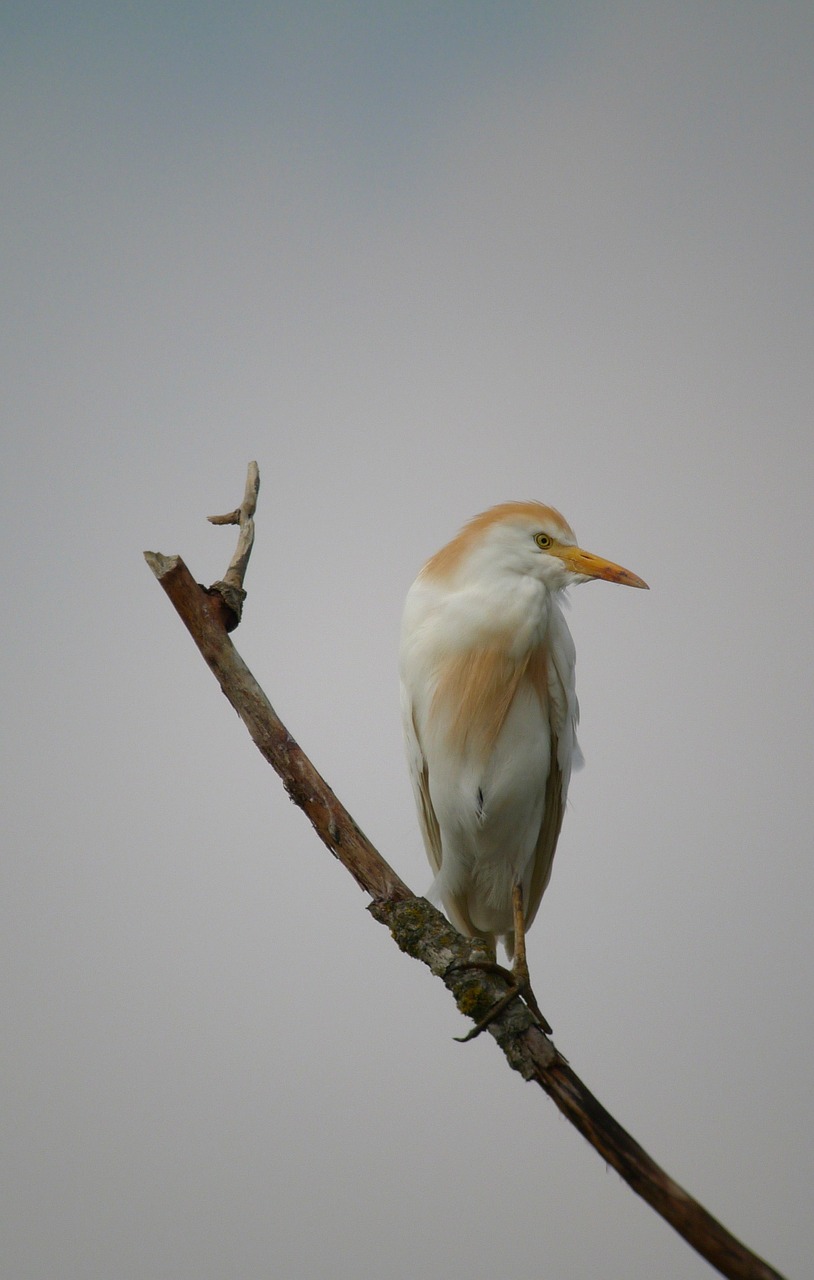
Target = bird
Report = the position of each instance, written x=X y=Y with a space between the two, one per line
x=490 y=714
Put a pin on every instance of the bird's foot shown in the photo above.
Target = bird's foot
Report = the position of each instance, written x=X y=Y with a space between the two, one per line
x=520 y=986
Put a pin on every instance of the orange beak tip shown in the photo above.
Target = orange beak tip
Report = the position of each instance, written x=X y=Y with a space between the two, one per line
x=592 y=566
x=626 y=579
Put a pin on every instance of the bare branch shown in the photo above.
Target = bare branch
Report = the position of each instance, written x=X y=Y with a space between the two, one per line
x=427 y=935
x=331 y=820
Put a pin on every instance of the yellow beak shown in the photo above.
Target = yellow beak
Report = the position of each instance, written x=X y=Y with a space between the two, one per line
x=579 y=561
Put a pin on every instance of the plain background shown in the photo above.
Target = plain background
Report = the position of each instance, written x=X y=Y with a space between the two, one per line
x=416 y=259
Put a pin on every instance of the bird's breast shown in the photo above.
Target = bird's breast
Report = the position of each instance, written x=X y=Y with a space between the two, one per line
x=468 y=654
x=474 y=692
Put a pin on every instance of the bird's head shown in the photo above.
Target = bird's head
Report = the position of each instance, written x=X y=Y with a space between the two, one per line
x=525 y=538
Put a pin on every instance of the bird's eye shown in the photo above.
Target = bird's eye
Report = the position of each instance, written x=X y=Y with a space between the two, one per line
x=543 y=540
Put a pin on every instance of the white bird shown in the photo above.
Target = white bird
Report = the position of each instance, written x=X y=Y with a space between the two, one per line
x=490 y=715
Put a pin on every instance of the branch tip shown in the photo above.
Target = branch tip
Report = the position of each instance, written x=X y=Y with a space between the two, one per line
x=161 y=565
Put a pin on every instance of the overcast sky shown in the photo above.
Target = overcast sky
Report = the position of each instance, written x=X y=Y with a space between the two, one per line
x=415 y=259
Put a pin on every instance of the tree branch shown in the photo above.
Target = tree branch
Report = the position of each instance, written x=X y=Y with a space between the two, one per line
x=415 y=924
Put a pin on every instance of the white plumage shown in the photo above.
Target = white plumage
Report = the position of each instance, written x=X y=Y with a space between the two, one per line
x=490 y=711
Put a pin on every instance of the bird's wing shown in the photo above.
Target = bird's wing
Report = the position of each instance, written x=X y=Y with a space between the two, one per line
x=455 y=904
x=420 y=777
x=563 y=710
x=553 y=810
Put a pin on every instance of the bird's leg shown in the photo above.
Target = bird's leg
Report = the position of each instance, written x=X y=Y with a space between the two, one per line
x=518 y=975
x=520 y=968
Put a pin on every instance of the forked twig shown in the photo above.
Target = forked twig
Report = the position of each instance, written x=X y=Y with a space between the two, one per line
x=229 y=589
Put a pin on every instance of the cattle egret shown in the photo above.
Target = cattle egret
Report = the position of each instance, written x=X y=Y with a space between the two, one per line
x=490 y=716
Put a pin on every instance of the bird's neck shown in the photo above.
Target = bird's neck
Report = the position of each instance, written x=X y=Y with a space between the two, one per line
x=512 y=614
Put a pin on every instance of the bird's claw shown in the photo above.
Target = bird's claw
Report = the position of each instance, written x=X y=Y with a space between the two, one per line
x=520 y=986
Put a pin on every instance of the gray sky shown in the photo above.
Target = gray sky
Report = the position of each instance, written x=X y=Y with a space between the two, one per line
x=415 y=259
